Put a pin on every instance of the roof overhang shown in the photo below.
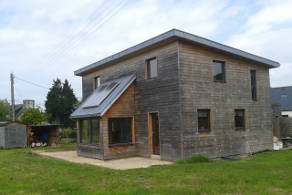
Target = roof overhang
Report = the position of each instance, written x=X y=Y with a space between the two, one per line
x=177 y=35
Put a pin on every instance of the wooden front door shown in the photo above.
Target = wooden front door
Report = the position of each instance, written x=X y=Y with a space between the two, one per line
x=154 y=143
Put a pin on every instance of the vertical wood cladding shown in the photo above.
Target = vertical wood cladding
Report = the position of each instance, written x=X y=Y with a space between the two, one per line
x=123 y=107
x=198 y=91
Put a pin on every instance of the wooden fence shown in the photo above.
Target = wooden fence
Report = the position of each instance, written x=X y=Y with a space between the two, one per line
x=283 y=127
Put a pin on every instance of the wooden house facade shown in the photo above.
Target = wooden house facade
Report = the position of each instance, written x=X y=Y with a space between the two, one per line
x=174 y=96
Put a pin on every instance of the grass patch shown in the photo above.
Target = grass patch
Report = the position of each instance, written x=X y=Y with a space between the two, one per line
x=265 y=173
x=194 y=159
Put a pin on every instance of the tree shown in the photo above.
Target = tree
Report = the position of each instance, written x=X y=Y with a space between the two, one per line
x=60 y=103
x=4 y=110
x=33 y=116
x=69 y=104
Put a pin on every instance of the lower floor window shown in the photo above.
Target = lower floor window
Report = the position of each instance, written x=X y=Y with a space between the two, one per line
x=120 y=131
x=239 y=120
x=204 y=121
x=89 y=131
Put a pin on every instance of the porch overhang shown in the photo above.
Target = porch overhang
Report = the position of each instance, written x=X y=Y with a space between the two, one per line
x=101 y=100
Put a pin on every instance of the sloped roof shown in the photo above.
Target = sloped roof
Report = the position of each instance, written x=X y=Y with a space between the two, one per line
x=103 y=97
x=175 y=35
x=283 y=96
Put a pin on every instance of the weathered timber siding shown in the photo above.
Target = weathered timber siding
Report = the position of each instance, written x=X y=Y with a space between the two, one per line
x=158 y=94
x=198 y=91
x=123 y=107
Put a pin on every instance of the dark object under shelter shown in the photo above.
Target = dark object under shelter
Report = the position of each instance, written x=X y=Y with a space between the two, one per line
x=12 y=135
x=46 y=134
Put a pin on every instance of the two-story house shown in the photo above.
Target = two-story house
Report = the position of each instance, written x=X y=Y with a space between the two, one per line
x=174 y=96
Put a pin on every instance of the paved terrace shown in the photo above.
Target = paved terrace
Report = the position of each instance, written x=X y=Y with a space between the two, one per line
x=119 y=164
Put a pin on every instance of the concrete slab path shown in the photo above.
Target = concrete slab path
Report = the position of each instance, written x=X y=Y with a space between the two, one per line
x=119 y=164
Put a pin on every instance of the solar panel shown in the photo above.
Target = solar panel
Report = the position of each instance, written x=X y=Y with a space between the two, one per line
x=99 y=95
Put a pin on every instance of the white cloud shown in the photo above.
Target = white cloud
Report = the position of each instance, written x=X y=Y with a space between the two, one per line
x=44 y=39
x=268 y=33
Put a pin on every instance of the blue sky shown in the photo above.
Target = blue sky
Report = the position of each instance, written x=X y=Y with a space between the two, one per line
x=41 y=40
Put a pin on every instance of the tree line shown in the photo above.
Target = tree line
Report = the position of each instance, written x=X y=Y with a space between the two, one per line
x=60 y=103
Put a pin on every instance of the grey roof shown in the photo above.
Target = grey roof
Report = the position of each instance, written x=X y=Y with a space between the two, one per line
x=99 y=110
x=19 y=108
x=177 y=34
x=283 y=96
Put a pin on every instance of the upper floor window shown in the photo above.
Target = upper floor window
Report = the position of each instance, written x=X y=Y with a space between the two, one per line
x=219 y=71
x=96 y=82
x=204 y=121
x=253 y=80
x=239 y=119
x=151 y=68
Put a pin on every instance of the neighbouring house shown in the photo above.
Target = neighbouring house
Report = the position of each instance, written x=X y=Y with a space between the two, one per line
x=283 y=97
x=174 y=96
x=19 y=108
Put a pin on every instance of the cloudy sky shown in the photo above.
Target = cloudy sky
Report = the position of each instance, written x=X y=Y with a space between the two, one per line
x=41 y=40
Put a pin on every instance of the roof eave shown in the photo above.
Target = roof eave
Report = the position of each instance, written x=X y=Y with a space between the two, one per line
x=177 y=34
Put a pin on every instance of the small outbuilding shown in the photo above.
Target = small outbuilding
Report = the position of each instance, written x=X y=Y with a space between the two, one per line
x=45 y=134
x=12 y=135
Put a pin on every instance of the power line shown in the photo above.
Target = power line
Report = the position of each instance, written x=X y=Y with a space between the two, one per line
x=104 y=17
x=32 y=83
x=70 y=37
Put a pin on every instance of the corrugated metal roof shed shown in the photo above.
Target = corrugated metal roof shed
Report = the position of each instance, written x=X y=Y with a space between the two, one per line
x=99 y=101
x=175 y=34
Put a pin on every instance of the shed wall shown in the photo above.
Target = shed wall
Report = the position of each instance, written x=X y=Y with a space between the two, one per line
x=13 y=136
x=2 y=137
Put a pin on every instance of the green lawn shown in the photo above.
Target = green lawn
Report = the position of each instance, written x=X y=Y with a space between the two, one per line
x=265 y=173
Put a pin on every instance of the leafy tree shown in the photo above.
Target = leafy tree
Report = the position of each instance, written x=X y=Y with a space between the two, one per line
x=4 y=110
x=33 y=116
x=61 y=102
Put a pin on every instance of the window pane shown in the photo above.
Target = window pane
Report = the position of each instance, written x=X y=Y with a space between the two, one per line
x=85 y=131
x=120 y=130
x=203 y=120
x=96 y=82
x=239 y=120
x=218 y=71
x=152 y=68
x=95 y=131
x=89 y=131
x=253 y=84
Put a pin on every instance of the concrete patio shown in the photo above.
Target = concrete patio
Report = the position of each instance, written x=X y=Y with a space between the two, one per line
x=119 y=164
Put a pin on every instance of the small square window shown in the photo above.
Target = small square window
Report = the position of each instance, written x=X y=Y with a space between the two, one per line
x=152 y=68
x=204 y=121
x=219 y=71
x=239 y=119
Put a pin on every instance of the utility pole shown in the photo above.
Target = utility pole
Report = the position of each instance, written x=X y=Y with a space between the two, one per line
x=12 y=96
